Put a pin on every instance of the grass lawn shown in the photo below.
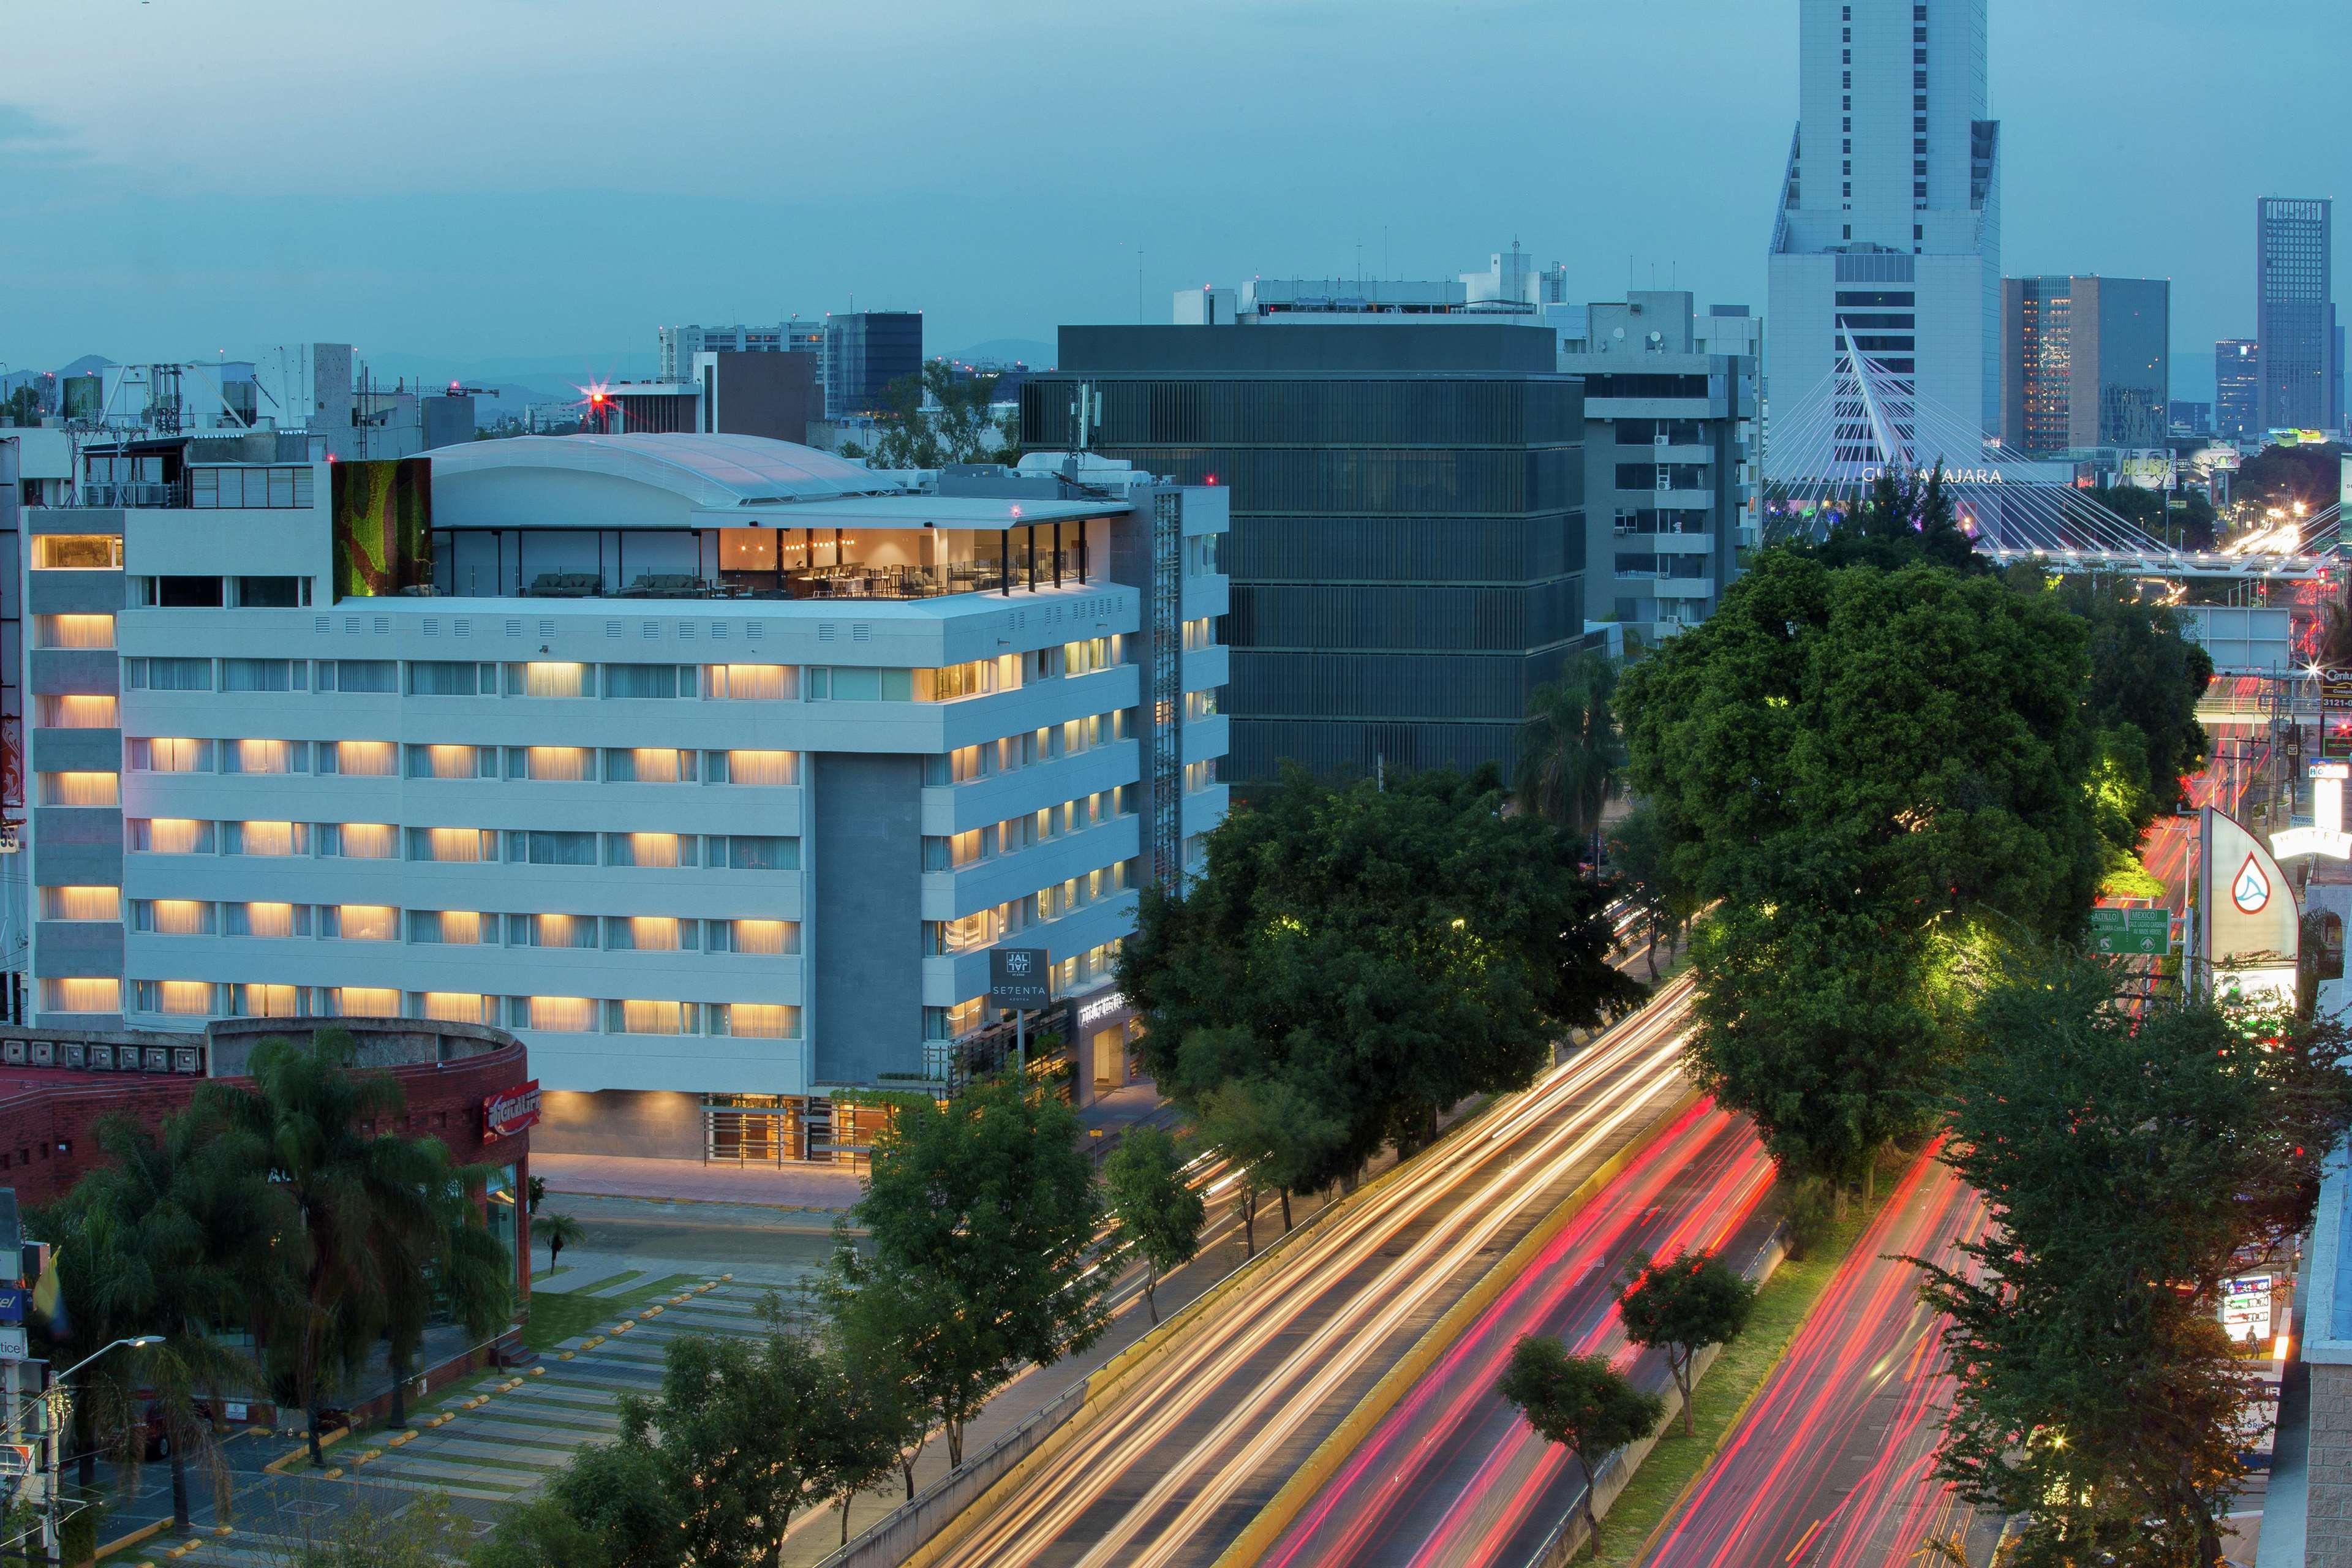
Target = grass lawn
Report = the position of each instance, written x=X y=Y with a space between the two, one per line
x=1781 y=1307
x=560 y=1315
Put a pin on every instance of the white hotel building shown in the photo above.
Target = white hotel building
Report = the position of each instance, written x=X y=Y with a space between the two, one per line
x=712 y=856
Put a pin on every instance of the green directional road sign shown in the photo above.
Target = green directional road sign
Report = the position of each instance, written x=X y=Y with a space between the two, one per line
x=2131 y=932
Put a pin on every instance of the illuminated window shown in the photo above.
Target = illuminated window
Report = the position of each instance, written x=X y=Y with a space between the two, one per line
x=650 y=1017
x=72 y=903
x=265 y=756
x=562 y=765
x=753 y=683
x=81 y=789
x=452 y=844
x=460 y=1007
x=82 y=995
x=659 y=849
x=451 y=762
x=176 y=998
x=360 y=922
x=564 y=1015
x=760 y=1021
x=78 y=712
x=362 y=840
x=360 y=759
x=650 y=766
x=757 y=937
x=77 y=551
x=271 y=838
x=265 y=920
x=169 y=835
x=172 y=756
x=365 y=1001
x=172 y=917
x=74 y=631
x=949 y=682
x=653 y=934
x=552 y=931
x=771 y=768
x=550 y=680
x=263 y=1000
x=461 y=928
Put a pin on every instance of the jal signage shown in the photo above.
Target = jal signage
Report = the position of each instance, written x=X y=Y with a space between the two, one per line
x=510 y=1110
x=1020 y=976
x=12 y=1304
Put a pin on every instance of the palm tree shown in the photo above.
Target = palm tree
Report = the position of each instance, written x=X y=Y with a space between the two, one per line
x=439 y=1253
x=189 y=1225
x=1571 y=763
x=369 y=1205
x=558 y=1231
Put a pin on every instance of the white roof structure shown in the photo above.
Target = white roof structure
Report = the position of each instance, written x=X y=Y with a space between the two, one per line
x=709 y=472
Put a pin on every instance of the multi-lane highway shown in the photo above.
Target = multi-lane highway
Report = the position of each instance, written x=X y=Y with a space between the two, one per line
x=1170 y=1467
x=1453 y=1474
x=1832 y=1465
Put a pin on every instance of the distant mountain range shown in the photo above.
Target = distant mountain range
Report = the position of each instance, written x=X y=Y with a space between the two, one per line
x=1031 y=351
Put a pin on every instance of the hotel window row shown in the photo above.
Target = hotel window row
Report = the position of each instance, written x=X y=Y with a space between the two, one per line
x=974 y=844
x=715 y=682
x=983 y=927
x=458 y=928
x=388 y=759
x=564 y=1015
x=384 y=841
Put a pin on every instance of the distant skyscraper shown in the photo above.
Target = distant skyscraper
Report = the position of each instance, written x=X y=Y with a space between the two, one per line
x=1888 y=243
x=2084 y=362
x=2237 y=388
x=2294 y=312
x=865 y=351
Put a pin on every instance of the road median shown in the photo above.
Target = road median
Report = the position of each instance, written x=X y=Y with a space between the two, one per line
x=1285 y=1507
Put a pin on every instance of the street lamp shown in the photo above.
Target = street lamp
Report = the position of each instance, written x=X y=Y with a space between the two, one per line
x=54 y=1404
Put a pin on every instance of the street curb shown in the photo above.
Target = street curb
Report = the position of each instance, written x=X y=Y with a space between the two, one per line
x=325 y=1443
x=1283 y=1509
x=124 y=1543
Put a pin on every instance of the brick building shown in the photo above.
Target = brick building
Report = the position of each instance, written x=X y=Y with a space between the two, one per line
x=56 y=1085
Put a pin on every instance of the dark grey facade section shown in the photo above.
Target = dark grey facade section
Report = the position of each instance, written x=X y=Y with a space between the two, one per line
x=79 y=751
x=89 y=865
x=1407 y=554
x=75 y=519
x=866 y=899
x=83 y=671
x=76 y=949
x=71 y=593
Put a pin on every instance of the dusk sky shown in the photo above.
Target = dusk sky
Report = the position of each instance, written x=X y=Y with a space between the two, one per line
x=506 y=180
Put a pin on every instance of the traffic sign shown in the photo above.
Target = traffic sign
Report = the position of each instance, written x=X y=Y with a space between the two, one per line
x=2131 y=932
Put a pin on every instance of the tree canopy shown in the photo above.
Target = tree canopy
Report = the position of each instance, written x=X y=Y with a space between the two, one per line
x=1582 y=1403
x=1159 y=1214
x=1680 y=1306
x=1903 y=520
x=930 y=419
x=1383 y=952
x=2128 y=1152
x=980 y=1220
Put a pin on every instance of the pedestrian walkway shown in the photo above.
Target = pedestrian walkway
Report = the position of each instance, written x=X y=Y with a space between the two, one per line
x=514 y=1431
x=826 y=1188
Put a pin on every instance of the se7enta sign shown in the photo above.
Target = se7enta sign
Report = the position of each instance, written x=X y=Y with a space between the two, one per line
x=510 y=1110
x=1019 y=977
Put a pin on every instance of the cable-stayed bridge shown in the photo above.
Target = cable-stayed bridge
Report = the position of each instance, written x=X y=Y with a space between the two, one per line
x=1827 y=447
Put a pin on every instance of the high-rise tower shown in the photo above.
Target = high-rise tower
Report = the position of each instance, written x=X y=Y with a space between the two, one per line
x=1887 y=244
x=2294 y=312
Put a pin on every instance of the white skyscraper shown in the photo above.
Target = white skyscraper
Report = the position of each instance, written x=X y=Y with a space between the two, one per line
x=1887 y=245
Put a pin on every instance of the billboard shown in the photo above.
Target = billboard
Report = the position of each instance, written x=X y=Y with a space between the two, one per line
x=2150 y=468
x=2249 y=928
x=1019 y=977
x=383 y=526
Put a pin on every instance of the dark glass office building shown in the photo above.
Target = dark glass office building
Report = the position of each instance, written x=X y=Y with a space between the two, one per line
x=1407 y=553
x=865 y=351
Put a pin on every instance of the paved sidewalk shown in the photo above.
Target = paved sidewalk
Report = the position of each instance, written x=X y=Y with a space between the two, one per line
x=829 y=1188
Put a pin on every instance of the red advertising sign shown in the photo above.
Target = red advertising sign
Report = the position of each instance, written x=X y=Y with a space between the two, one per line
x=510 y=1110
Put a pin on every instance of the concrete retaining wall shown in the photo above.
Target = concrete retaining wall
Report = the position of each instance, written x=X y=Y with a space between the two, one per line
x=899 y=1536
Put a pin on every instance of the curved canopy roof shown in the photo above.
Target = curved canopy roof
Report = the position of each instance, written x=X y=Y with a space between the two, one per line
x=709 y=472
